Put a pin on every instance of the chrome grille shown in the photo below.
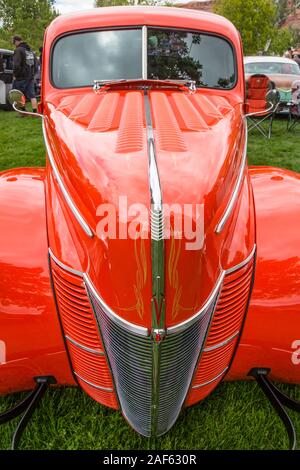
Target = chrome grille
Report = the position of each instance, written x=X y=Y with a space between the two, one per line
x=179 y=355
x=130 y=357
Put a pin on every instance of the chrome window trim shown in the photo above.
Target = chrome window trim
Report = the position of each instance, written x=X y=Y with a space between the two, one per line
x=139 y=330
x=97 y=352
x=144 y=29
x=238 y=185
x=210 y=381
x=62 y=187
x=106 y=389
x=193 y=319
x=144 y=52
x=243 y=263
x=223 y=343
x=64 y=266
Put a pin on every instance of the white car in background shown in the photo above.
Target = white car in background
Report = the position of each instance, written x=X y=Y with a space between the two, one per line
x=281 y=71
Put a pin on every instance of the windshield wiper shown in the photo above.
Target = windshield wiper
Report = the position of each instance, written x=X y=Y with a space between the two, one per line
x=190 y=84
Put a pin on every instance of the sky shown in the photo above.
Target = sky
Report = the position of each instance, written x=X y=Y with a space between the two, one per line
x=67 y=6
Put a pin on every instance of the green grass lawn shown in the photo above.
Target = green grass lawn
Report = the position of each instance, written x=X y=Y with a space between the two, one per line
x=235 y=416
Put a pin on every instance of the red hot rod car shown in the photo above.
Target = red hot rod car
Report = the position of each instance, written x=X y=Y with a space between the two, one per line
x=147 y=262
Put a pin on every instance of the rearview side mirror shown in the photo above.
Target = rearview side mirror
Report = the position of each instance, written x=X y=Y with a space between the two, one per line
x=18 y=102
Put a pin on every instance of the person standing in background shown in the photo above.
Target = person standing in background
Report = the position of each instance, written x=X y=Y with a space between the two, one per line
x=24 y=68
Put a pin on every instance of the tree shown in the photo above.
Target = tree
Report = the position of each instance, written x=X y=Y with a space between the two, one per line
x=27 y=18
x=281 y=39
x=254 y=19
x=282 y=11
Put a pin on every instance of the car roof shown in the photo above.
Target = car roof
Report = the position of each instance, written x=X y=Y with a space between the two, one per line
x=263 y=58
x=6 y=51
x=142 y=15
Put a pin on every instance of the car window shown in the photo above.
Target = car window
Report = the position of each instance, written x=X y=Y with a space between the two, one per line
x=207 y=59
x=7 y=62
x=79 y=59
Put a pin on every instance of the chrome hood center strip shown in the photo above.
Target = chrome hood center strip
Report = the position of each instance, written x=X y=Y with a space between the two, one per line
x=158 y=271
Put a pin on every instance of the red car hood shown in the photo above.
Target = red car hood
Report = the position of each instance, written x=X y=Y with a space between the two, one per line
x=100 y=148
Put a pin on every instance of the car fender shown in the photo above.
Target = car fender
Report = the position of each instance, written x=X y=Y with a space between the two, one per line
x=31 y=342
x=271 y=335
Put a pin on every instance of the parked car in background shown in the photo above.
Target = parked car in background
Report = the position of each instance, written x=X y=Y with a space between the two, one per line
x=6 y=77
x=281 y=71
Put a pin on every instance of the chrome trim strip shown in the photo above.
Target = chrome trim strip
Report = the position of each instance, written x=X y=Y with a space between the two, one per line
x=61 y=185
x=97 y=352
x=190 y=321
x=106 y=389
x=139 y=330
x=238 y=184
x=158 y=307
x=210 y=381
x=145 y=53
x=129 y=326
x=155 y=187
x=243 y=263
x=223 y=343
x=64 y=266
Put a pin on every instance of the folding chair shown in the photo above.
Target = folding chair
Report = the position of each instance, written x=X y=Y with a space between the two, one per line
x=260 y=110
x=294 y=106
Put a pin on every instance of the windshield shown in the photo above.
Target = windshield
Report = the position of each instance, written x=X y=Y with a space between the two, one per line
x=284 y=68
x=79 y=59
x=185 y=55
